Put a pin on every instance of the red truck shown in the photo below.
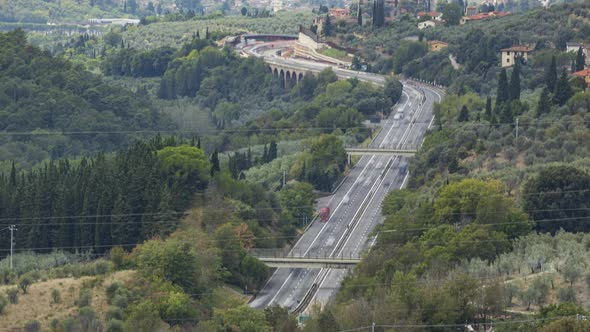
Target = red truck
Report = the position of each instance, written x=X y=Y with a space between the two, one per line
x=325 y=214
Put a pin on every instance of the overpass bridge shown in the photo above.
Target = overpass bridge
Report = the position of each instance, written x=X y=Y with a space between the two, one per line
x=379 y=152
x=310 y=262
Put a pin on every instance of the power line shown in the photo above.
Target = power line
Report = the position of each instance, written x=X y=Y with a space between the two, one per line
x=247 y=130
x=123 y=223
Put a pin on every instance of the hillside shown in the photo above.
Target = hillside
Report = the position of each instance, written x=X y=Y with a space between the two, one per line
x=65 y=106
x=492 y=228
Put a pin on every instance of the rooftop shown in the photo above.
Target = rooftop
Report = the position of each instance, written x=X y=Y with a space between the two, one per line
x=431 y=14
x=582 y=73
x=517 y=48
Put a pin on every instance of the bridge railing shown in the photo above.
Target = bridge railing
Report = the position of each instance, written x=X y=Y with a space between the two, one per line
x=296 y=253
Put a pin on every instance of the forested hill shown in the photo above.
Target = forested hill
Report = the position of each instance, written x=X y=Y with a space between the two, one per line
x=52 y=98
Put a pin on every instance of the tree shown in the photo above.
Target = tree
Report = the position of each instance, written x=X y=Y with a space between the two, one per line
x=393 y=89
x=172 y=260
x=378 y=13
x=215 y=163
x=144 y=316
x=488 y=110
x=463 y=114
x=551 y=75
x=452 y=14
x=177 y=307
x=359 y=14
x=244 y=11
x=544 y=105
x=327 y=160
x=24 y=283
x=279 y=319
x=563 y=90
x=515 y=81
x=580 y=60
x=298 y=199
x=558 y=194
x=327 y=30
x=503 y=92
x=243 y=319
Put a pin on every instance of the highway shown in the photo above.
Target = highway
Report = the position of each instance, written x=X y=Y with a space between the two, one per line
x=356 y=204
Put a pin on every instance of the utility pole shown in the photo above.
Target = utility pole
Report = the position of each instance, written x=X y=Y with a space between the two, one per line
x=11 y=228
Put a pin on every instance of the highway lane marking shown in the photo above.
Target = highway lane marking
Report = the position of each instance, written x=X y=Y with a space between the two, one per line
x=279 y=291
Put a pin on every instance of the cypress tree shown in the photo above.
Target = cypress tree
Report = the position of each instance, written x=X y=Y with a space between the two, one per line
x=503 y=94
x=563 y=91
x=463 y=114
x=515 y=82
x=327 y=26
x=544 y=105
x=207 y=33
x=551 y=75
x=580 y=60
x=488 y=111
x=272 y=151
x=359 y=14
x=215 y=163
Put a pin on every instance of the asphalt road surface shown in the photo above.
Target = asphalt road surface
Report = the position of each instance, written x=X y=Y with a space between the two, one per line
x=356 y=205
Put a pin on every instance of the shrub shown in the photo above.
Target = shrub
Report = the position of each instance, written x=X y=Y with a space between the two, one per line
x=111 y=291
x=12 y=295
x=115 y=313
x=102 y=267
x=54 y=324
x=121 y=301
x=55 y=295
x=24 y=283
x=3 y=303
x=119 y=258
x=88 y=320
x=32 y=326
x=567 y=294
x=85 y=298
x=115 y=325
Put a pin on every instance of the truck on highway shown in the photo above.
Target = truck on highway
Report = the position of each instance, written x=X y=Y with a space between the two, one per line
x=325 y=214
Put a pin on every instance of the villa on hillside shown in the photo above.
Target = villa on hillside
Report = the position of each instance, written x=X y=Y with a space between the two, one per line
x=574 y=47
x=584 y=74
x=482 y=16
x=509 y=55
x=429 y=24
x=430 y=15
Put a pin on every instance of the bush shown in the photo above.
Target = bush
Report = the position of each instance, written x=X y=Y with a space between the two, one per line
x=32 y=326
x=119 y=258
x=85 y=298
x=55 y=295
x=115 y=313
x=121 y=301
x=12 y=295
x=567 y=294
x=54 y=324
x=3 y=303
x=111 y=291
x=24 y=283
x=115 y=325
x=102 y=267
